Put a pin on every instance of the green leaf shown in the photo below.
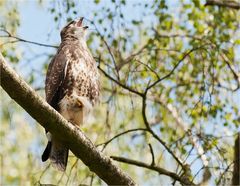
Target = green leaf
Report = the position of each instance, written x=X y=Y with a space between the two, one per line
x=228 y=116
x=96 y=1
x=136 y=22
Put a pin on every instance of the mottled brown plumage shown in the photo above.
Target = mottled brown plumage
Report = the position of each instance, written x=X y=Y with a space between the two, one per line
x=72 y=85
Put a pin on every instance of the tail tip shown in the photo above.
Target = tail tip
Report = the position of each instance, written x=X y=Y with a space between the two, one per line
x=59 y=165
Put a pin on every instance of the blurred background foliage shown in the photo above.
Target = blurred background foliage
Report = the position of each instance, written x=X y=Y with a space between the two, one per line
x=136 y=43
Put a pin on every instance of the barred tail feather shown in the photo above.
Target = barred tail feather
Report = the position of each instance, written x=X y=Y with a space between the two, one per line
x=59 y=156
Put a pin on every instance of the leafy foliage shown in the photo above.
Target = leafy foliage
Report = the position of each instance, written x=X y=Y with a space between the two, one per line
x=184 y=56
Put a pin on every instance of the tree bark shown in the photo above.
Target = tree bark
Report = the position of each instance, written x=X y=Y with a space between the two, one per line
x=222 y=3
x=52 y=121
x=236 y=167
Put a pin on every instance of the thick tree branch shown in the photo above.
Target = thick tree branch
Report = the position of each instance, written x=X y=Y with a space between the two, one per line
x=154 y=168
x=236 y=167
x=222 y=3
x=51 y=120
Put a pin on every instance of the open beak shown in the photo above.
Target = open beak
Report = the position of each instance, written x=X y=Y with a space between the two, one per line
x=79 y=22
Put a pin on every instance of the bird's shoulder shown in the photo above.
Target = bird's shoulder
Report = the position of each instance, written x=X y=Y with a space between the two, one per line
x=56 y=73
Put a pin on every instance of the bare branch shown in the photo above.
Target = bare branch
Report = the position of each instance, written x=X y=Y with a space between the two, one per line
x=70 y=172
x=176 y=35
x=174 y=68
x=120 y=134
x=120 y=84
x=184 y=126
x=131 y=57
x=52 y=121
x=221 y=176
x=152 y=153
x=18 y=39
x=148 y=67
x=160 y=170
x=155 y=135
x=235 y=75
x=108 y=47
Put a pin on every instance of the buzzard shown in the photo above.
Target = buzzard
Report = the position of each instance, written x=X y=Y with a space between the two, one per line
x=72 y=86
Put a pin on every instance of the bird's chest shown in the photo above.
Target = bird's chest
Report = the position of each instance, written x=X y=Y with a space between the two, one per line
x=79 y=77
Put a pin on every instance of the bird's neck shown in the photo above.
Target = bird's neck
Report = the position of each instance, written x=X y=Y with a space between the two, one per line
x=74 y=40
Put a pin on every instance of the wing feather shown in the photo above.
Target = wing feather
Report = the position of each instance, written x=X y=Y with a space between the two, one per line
x=55 y=77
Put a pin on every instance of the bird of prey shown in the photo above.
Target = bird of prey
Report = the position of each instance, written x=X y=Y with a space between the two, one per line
x=72 y=86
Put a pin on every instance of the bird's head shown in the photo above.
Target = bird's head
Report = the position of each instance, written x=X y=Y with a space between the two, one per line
x=74 y=29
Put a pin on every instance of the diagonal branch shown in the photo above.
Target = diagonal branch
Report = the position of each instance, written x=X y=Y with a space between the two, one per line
x=107 y=45
x=144 y=105
x=235 y=75
x=120 y=84
x=174 y=68
x=183 y=125
x=120 y=134
x=51 y=120
x=160 y=170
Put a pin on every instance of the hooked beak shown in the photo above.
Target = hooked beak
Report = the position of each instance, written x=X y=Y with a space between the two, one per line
x=79 y=23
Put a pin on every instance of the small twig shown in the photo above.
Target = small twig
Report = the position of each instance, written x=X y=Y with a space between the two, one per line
x=59 y=181
x=155 y=135
x=43 y=172
x=8 y=42
x=74 y=164
x=18 y=39
x=119 y=83
x=184 y=126
x=148 y=67
x=152 y=153
x=131 y=57
x=120 y=134
x=176 y=35
x=91 y=181
x=108 y=47
x=226 y=170
x=174 y=68
x=235 y=75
